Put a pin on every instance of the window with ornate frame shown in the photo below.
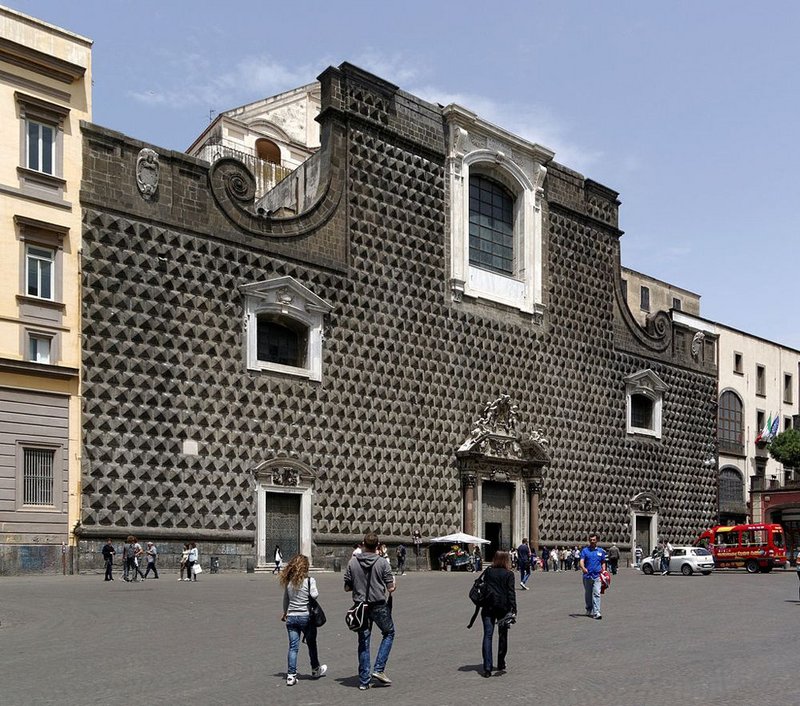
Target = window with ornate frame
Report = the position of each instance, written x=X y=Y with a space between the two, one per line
x=284 y=328
x=495 y=217
x=644 y=392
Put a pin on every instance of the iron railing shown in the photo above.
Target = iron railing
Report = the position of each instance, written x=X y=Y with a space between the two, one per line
x=266 y=174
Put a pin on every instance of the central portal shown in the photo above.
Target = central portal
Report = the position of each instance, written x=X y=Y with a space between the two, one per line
x=496 y=514
x=283 y=524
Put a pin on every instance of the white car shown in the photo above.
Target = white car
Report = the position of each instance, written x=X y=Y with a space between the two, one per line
x=687 y=560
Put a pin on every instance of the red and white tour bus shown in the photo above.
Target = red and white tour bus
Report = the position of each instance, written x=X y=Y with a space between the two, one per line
x=757 y=547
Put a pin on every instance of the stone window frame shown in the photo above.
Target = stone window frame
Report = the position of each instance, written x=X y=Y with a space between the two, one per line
x=647 y=384
x=788 y=388
x=285 y=298
x=57 y=476
x=52 y=340
x=36 y=110
x=644 y=297
x=523 y=290
x=761 y=380
x=738 y=363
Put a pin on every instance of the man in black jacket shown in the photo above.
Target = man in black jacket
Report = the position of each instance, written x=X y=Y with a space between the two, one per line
x=108 y=557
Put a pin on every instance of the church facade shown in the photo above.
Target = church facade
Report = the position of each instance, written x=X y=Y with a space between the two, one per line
x=425 y=330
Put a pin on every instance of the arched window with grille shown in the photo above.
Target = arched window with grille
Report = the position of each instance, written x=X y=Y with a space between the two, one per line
x=731 y=487
x=730 y=423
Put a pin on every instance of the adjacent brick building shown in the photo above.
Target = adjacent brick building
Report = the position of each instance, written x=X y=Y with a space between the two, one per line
x=252 y=379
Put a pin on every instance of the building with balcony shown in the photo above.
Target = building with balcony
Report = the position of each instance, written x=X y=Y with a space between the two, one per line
x=273 y=136
x=45 y=93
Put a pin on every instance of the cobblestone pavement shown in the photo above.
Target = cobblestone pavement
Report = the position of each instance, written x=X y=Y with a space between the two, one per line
x=729 y=638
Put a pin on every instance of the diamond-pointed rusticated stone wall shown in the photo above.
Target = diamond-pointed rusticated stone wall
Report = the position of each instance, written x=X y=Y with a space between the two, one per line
x=406 y=370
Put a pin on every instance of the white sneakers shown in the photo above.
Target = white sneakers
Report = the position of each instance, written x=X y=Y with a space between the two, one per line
x=291 y=679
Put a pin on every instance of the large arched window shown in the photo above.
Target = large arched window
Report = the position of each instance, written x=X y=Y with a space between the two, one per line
x=491 y=225
x=731 y=487
x=730 y=423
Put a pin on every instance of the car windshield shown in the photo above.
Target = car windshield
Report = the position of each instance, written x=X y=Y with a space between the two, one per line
x=777 y=538
x=702 y=552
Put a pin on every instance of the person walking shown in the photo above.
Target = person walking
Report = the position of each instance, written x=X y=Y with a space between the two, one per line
x=108 y=557
x=401 y=559
x=613 y=557
x=369 y=577
x=278 y=560
x=132 y=551
x=500 y=586
x=666 y=553
x=545 y=559
x=192 y=559
x=184 y=563
x=524 y=563
x=576 y=558
x=554 y=558
x=152 y=554
x=125 y=562
x=298 y=588
x=593 y=561
x=637 y=555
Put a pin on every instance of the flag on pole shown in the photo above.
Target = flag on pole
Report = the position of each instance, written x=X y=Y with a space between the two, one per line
x=763 y=435
x=773 y=431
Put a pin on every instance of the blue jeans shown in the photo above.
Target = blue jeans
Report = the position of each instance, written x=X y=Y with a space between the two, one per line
x=524 y=573
x=382 y=617
x=295 y=625
x=591 y=592
x=502 y=642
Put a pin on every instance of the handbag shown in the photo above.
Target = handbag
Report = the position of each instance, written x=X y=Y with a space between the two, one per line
x=356 y=618
x=197 y=569
x=315 y=612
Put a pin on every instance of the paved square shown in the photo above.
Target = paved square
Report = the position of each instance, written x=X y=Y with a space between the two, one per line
x=729 y=638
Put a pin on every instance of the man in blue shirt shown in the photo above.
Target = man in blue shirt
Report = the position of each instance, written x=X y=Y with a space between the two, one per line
x=593 y=561
x=524 y=563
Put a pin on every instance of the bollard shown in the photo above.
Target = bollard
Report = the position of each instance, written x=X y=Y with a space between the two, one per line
x=214 y=564
x=337 y=564
x=251 y=566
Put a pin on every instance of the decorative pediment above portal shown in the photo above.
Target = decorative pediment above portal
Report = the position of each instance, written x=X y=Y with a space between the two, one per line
x=645 y=502
x=496 y=450
x=285 y=473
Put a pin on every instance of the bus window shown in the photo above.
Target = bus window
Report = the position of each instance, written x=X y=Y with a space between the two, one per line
x=759 y=537
x=747 y=538
x=777 y=538
x=728 y=539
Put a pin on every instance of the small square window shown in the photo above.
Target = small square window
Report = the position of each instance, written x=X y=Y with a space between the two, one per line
x=39 y=348
x=738 y=363
x=40 y=269
x=788 y=395
x=787 y=423
x=644 y=298
x=676 y=303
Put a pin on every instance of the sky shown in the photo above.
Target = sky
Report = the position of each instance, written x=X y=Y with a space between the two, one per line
x=688 y=109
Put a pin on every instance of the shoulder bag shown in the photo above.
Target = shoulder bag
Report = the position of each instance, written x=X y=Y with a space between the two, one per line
x=356 y=618
x=315 y=613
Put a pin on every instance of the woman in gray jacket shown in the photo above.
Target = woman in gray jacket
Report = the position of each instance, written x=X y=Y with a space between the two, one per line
x=298 y=587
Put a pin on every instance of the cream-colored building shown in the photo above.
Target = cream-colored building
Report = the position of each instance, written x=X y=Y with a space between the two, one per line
x=758 y=380
x=45 y=91
x=272 y=136
x=646 y=295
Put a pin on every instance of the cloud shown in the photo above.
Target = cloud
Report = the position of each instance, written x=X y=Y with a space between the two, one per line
x=195 y=83
x=534 y=122
x=253 y=77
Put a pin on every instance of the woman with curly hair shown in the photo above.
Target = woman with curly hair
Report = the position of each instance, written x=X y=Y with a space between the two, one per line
x=298 y=588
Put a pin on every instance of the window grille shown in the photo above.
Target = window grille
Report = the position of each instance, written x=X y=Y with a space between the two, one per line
x=37 y=476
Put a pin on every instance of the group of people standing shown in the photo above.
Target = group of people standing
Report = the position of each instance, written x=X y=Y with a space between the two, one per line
x=370 y=579
x=133 y=556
